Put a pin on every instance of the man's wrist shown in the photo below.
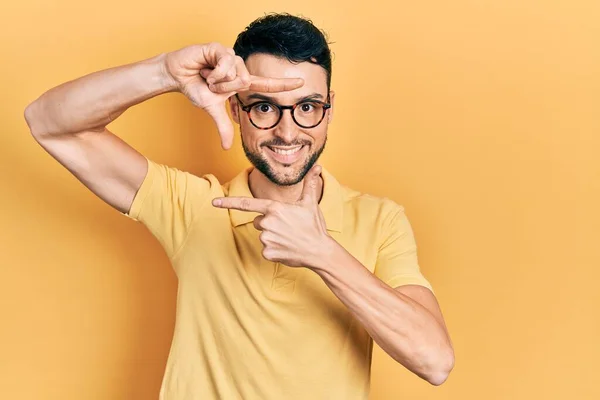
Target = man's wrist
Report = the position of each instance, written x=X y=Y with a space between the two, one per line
x=325 y=255
x=168 y=83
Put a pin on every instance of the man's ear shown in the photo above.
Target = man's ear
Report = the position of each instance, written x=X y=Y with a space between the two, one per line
x=331 y=101
x=234 y=108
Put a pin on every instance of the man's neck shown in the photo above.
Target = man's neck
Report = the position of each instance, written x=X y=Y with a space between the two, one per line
x=262 y=188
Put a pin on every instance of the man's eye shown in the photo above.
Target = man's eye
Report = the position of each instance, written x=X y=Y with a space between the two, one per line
x=307 y=107
x=264 y=107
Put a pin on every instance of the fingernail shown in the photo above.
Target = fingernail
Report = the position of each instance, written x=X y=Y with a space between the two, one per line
x=216 y=202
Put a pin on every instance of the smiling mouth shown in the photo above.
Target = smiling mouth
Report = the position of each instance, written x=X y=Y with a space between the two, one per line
x=286 y=150
x=286 y=155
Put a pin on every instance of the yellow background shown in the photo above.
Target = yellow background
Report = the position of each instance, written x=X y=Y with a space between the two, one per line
x=480 y=117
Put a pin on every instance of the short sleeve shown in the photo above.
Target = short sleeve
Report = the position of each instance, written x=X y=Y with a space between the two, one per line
x=169 y=200
x=397 y=262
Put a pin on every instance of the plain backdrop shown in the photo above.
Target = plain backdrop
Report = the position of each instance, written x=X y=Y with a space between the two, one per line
x=480 y=117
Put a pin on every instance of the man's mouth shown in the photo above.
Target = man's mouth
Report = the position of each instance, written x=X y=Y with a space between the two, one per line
x=285 y=150
x=286 y=155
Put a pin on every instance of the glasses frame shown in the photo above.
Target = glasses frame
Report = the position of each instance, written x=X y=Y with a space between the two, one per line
x=247 y=108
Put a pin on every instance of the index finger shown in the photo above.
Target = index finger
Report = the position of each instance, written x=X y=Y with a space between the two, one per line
x=271 y=85
x=243 y=204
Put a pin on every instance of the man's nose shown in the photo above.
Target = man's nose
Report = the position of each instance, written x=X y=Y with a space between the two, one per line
x=287 y=129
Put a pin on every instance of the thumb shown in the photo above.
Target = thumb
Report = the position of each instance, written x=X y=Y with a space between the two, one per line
x=218 y=113
x=310 y=191
x=205 y=72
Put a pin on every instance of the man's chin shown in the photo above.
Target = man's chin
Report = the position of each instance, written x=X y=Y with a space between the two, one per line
x=286 y=174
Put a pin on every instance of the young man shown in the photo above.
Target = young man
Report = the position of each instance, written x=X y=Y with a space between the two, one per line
x=285 y=276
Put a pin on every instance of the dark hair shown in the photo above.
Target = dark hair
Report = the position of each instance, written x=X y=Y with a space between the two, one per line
x=286 y=36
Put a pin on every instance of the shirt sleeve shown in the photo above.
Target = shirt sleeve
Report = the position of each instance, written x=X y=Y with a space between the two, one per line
x=397 y=262
x=169 y=200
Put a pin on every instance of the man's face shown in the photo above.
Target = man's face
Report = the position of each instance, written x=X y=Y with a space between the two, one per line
x=301 y=147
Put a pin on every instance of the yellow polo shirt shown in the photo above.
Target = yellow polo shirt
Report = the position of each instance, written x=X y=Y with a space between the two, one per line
x=247 y=328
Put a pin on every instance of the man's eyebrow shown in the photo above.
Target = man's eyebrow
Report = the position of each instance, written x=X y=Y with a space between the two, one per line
x=258 y=96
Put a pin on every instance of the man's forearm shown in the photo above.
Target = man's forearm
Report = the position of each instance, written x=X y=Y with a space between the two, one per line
x=403 y=328
x=93 y=101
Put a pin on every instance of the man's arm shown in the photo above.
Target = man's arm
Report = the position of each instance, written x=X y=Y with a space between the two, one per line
x=69 y=121
x=405 y=322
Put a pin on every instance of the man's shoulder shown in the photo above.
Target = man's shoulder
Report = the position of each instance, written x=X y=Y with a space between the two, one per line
x=366 y=202
x=371 y=213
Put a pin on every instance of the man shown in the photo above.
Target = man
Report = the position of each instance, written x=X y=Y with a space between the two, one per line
x=284 y=275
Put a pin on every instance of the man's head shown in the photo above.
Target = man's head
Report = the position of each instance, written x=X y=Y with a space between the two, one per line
x=284 y=46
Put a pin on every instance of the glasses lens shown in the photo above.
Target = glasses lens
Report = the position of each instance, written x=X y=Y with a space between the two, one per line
x=308 y=114
x=264 y=115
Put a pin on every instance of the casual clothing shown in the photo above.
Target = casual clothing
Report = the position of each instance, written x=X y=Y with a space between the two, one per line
x=248 y=328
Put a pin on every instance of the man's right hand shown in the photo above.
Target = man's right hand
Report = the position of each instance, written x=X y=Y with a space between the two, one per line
x=208 y=74
x=70 y=121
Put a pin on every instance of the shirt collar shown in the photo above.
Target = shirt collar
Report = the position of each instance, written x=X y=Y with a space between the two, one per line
x=331 y=204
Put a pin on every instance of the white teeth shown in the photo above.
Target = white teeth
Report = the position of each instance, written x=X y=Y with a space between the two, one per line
x=286 y=152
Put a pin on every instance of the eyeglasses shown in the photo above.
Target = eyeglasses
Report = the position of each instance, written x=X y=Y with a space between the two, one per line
x=266 y=115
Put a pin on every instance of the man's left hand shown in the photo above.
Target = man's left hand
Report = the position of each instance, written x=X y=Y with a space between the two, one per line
x=292 y=234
